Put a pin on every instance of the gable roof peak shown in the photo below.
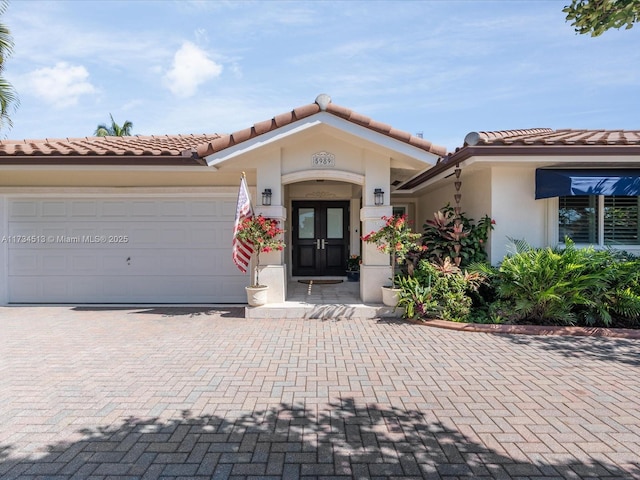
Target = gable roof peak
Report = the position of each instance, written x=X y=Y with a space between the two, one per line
x=322 y=104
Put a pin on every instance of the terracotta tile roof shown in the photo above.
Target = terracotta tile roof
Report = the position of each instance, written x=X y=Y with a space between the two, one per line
x=322 y=103
x=153 y=145
x=547 y=136
x=540 y=142
x=180 y=149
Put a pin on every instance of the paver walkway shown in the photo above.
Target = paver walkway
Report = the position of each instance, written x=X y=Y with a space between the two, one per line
x=198 y=393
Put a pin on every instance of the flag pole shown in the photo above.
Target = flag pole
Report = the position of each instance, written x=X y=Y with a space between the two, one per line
x=243 y=178
x=242 y=251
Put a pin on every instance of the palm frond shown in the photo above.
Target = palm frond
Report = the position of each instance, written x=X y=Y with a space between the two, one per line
x=517 y=245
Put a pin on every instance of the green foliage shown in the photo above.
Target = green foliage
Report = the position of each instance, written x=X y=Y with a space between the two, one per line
x=456 y=236
x=264 y=234
x=416 y=299
x=8 y=95
x=353 y=263
x=114 y=130
x=437 y=291
x=396 y=238
x=573 y=286
x=597 y=16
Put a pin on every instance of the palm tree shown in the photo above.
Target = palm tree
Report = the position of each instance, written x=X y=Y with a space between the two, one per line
x=8 y=96
x=114 y=130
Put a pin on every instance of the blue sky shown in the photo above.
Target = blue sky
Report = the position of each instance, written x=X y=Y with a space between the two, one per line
x=443 y=68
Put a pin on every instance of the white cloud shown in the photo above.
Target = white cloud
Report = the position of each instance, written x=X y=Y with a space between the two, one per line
x=61 y=85
x=191 y=68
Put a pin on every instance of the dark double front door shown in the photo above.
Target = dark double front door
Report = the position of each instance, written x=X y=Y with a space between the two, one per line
x=320 y=238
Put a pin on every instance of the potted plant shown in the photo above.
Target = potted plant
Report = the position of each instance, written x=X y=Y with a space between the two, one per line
x=264 y=235
x=397 y=239
x=353 y=268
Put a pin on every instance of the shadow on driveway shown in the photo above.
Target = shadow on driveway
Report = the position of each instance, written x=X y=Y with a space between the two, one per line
x=288 y=441
x=594 y=348
x=225 y=312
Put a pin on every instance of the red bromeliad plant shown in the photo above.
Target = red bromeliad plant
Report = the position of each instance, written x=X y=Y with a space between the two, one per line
x=395 y=238
x=263 y=233
x=455 y=236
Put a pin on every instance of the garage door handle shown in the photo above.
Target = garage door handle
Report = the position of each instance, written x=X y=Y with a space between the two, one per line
x=128 y=260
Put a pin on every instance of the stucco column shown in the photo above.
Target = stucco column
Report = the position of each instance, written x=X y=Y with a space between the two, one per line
x=273 y=271
x=375 y=271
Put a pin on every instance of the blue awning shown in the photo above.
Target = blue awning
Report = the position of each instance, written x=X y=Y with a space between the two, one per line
x=556 y=182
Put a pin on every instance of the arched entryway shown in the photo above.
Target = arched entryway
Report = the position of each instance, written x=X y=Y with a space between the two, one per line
x=323 y=224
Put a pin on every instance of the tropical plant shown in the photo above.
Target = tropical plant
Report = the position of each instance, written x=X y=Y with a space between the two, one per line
x=353 y=263
x=441 y=291
x=416 y=299
x=114 y=130
x=395 y=238
x=457 y=237
x=567 y=286
x=8 y=95
x=264 y=234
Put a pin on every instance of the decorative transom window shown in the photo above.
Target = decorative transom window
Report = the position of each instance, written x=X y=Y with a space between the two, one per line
x=599 y=219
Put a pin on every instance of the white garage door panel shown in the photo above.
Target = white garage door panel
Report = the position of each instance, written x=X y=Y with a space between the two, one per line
x=118 y=290
x=149 y=251
x=156 y=261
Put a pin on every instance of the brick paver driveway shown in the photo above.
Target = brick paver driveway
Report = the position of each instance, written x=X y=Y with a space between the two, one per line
x=197 y=393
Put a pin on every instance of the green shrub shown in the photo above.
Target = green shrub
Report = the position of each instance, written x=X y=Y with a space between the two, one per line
x=440 y=291
x=570 y=286
x=456 y=237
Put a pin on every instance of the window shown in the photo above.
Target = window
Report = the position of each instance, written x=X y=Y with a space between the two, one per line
x=578 y=218
x=599 y=219
x=399 y=210
x=621 y=220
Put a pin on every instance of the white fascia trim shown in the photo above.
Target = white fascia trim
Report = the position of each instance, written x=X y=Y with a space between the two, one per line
x=442 y=175
x=554 y=160
x=318 y=119
x=521 y=160
x=99 y=192
x=109 y=168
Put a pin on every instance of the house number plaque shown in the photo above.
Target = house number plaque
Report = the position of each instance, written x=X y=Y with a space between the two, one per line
x=323 y=159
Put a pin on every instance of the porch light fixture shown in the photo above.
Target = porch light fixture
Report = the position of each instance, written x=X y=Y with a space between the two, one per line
x=378 y=197
x=266 y=196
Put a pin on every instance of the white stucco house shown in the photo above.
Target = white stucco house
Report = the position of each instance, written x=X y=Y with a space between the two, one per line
x=150 y=219
x=541 y=185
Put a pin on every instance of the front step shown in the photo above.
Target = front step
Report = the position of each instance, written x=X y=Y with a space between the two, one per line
x=321 y=311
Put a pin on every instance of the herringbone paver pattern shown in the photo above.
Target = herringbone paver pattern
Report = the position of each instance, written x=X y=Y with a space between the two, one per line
x=197 y=393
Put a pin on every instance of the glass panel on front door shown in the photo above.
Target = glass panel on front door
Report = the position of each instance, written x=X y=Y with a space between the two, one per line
x=306 y=223
x=335 y=223
x=320 y=238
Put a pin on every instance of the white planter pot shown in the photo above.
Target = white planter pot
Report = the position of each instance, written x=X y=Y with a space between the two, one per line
x=390 y=296
x=256 y=296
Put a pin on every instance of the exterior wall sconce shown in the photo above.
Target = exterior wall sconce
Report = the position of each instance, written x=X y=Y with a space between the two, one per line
x=378 y=197
x=266 y=197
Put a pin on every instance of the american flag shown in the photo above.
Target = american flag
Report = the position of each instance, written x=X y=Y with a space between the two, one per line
x=242 y=250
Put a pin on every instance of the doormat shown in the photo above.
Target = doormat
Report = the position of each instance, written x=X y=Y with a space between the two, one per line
x=319 y=282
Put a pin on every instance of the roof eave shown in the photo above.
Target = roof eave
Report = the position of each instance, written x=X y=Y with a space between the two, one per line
x=311 y=121
x=149 y=161
x=463 y=154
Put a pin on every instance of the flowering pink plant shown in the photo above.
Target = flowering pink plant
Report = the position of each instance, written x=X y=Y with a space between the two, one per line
x=262 y=233
x=395 y=238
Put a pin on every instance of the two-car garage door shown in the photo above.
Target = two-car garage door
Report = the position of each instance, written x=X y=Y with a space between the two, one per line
x=122 y=250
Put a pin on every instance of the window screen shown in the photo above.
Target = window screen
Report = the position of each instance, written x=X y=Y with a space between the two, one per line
x=578 y=218
x=621 y=220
